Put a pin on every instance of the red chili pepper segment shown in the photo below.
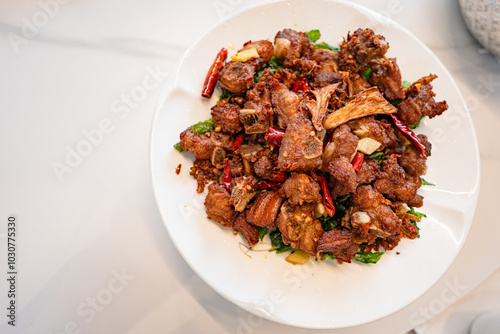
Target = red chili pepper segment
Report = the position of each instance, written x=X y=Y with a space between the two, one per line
x=279 y=176
x=213 y=73
x=274 y=136
x=226 y=176
x=357 y=161
x=327 y=197
x=238 y=141
x=268 y=185
x=408 y=134
x=300 y=86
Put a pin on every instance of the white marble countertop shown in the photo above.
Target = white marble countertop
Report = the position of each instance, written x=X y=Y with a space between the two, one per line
x=92 y=253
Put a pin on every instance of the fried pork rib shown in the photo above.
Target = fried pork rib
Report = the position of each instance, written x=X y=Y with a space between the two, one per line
x=289 y=131
x=298 y=226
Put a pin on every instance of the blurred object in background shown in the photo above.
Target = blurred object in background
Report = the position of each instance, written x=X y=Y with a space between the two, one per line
x=483 y=19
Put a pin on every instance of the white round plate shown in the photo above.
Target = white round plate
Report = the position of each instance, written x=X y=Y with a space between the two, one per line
x=318 y=294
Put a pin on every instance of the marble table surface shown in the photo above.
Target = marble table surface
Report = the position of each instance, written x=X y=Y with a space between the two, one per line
x=93 y=255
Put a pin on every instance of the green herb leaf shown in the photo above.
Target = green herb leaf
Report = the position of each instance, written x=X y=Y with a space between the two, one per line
x=413 y=126
x=406 y=84
x=426 y=183
x=262 y=232
x=278 y=244
x=274 y=65
x=203 y=127
x=178 y=147
x=327 y=256
x=366 y=74
x=324 y=45
x=379 y=156
x=328 y=223
x=363 y=257
x=314 y=35
x=225 y=94
x=396 y=103
x=417 y=214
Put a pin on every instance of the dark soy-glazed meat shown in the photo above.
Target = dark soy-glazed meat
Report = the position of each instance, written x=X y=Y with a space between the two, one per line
x=301 y=188
x=299 y=227
x=313 y=145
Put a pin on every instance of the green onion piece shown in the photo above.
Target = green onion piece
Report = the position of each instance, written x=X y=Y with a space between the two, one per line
x=363 y=257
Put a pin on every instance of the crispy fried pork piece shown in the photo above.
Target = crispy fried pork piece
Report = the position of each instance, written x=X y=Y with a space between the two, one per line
x=298 y=226
x=420 y=102
x=365 y=45
x=366 y=103
x=201 y=145
x=339 y=242
x=342 y=144
x=411 y=159
x=372 y=128
x=326 y=59
x=301 y=188
x=345 y=179
x=397 y=185
x=249 y=232
x=237 y=76
x=387 y=77
x=305 y=66
x=218 y=205
x=323 y=78
x=285 y=102
x=319 y=107
x=368 y=172
x=263 y=167
x=370 y=209
x=257 y=113
x=242 y=191
x=292 y=45
x=300 y=149
x=264 y=209
x=357 y=83
x=226 y=118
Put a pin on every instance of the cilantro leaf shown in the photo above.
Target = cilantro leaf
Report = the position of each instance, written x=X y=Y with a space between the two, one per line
x=406 y=84
x=327 y=256
x=178 y=147
x=313 y=35
x=203 y=126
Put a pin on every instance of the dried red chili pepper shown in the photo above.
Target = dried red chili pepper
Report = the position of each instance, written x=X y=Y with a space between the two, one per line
x=238 y=141
x=279 y=176
x=226 y=176
x=268 y=185
x=274 y=136
x=409 y=134
x=327 y=197
x=357 y=161
x=300 y=86
x=213 y=73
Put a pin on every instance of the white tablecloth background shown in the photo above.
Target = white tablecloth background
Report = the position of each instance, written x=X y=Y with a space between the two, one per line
x=93 y=255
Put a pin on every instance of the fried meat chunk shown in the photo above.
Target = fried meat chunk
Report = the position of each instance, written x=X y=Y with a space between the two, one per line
x=339 y=242
x=300 y=189
x=218 y=205
x=298 y=226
